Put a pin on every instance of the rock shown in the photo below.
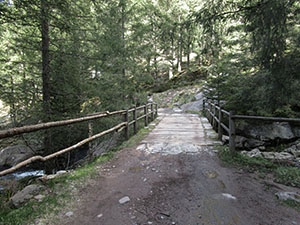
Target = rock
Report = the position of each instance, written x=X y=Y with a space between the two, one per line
x=26 y=194
x=225 y=139
x=69 y=214
x=262 y=148
x=61 y=172
x=100 y=215
x=12 y=155
x=254 y=153
x=53 y=176
x=296 y=153
x=177 y=109
x=192 y=106
x=199 y=96
x=268 y=155
x=229 y=196
x=294 y=149
x=124 y=200
x=268 y=132
x=283 y=196
x=39 y=197
x=243 y=142
x=296 y=131
x=277 y=155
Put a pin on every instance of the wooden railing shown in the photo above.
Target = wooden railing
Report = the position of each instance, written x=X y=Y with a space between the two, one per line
x=216 y=116
x=150 y=111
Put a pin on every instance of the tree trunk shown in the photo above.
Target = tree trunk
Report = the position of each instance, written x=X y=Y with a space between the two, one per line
x=123 y=37
x=179 y=54
x=171 y=70
x=49 y=166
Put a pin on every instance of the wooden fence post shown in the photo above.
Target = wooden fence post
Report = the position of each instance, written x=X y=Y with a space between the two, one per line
x=152 y=112
x=156 y=110
x=231 y=133
x=90 y=130
x=210 y=111
x=146 y=116
x=220 y=130
x=214 y=115
x=126 y=120
x=135 y=122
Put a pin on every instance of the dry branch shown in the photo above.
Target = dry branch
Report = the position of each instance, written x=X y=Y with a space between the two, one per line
x=41 y=158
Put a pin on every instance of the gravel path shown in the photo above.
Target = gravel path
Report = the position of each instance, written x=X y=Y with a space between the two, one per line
x=174 y=177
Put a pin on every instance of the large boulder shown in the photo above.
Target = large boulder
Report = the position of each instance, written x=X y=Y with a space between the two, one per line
x=199 y=96
x=268 y=132
x=192 y=106
x=26 y=194
x=247 y=143
x=12 y=155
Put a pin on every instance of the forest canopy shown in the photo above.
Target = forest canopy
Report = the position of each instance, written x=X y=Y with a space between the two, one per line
x=63 y=58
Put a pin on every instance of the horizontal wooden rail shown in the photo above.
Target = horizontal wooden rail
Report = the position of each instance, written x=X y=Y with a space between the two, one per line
x=140 y=107
x=271 y=119
x=225 y=112
x=51 y=156
x=31 y=128
x=141 y=117
x=225 y=128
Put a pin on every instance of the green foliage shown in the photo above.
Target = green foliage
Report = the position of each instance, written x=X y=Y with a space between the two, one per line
x=288 y=175
x=292 y=204
x=29 y=212
x=237 y=159
x=258 y=71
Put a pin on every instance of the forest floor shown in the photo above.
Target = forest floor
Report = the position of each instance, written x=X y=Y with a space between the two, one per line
x=175 y=177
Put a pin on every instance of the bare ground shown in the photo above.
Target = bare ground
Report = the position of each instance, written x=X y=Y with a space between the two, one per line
x=185 y=188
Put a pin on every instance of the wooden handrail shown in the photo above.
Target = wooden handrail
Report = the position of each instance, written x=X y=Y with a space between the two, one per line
x=273 y=119
x=31 y=128
x=231 y=129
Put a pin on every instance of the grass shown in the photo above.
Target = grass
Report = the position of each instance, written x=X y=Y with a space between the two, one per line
x=283 y=174
x=288 y=175
x=292 y=204
x=60 y=190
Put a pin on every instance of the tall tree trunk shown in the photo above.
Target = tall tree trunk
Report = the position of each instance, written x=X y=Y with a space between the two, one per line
x=123 y=6
x=12 y=113
x=188 y=56
x=123 y=36
x=46 y=80
x=179 y=52
x=171 y=70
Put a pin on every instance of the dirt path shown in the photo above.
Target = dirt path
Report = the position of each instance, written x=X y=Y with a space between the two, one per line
x=174 y=177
